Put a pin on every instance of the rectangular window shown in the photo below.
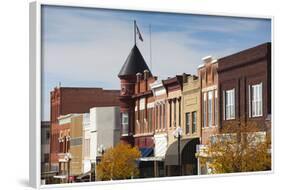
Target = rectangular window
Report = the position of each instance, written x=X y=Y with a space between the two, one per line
x=179 y=112
x=164 y=116
x=187 y=122
x=156 y=117
x=150 y=120
x=194 y=118
x=160 y=117
x=230 y=104
x=142 y=120
x=216 y=107
x=205 y=110
x=125 y=123
x=175 y=114
x=87 y=148
x=170 y=114
x=256 y=100
x=210 y=108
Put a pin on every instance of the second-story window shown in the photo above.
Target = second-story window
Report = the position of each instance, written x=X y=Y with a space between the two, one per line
x=125 y=123
x=170 y=114
x=230 y=104
x=216 y=107
x=160 y=117
x=87 y=147
x=179 y=112
x=210 y=108
x=255 y=100
x=175 y=114
x=205 y=110
x=164 y=116
x=194 y=119
x=187 y=122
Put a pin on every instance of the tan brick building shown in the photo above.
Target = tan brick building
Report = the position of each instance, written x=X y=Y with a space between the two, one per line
x=76 y=145
x=191 y=104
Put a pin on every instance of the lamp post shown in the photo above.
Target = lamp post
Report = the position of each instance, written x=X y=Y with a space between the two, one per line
x=101 y=149
x=68 y=157
x=177 y=134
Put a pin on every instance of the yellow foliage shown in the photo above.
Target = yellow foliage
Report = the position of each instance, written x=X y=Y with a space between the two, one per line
x=118 y=163
x=239 y=149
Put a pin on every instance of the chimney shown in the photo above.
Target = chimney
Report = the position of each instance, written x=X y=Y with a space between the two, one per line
x=184 y=77
x=145 y=74
x=138 y=77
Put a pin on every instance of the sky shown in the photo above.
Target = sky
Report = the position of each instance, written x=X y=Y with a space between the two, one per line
x=86 y=47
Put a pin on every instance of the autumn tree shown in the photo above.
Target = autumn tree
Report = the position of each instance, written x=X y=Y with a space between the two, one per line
x=240 y=147
x=118 y=163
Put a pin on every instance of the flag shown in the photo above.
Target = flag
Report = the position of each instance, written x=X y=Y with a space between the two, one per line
x=139 y=34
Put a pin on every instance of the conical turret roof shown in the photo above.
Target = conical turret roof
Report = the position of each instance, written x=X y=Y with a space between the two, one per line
x=134 y=63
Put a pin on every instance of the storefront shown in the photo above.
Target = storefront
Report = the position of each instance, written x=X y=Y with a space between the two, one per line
x=187 y=165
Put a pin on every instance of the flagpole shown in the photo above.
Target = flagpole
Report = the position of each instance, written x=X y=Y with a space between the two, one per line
x=135 y=32
x=150 y=50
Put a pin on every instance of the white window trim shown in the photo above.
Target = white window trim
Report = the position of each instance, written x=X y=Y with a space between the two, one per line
x=216 y=112
x=210 y=97
x=229 y=107
x=205 y=110
x=252 y=101
x=124 y=123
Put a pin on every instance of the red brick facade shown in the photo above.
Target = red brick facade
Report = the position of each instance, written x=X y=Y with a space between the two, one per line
x=208 y=77
x=144 y=115
x=66 y=100
x=240 y=71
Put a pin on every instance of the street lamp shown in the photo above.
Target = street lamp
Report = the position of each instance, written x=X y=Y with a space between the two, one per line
x=68 y=158
x=177 y=134
x=101 y=149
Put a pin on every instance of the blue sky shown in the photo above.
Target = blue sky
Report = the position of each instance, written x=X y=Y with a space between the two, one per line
x=86 y=47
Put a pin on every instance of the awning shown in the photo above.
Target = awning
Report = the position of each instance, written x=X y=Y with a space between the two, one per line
x=84 y=175
x=147 y=159
x=48 y=174
x=145 y=152
x=187 y=151
x=60 y=176
x=161 y=144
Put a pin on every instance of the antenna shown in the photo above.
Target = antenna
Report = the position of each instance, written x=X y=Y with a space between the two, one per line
x=150 y=49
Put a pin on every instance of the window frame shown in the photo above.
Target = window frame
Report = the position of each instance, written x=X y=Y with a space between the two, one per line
x=229 y=104
x=194 y=122
x=187 y=122
x=124 y=123
x=204 y=110
x=256 y=100
x=210 y=108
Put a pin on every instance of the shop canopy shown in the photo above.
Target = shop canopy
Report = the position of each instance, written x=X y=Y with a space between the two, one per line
x=145 y=152
x=187 y=151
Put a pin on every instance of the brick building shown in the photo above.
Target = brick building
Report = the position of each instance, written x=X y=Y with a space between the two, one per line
x=45 y=153
x=208 y=77
x=191 y=120
x=173 y=88
x=191 y=105
x=65 y=100
x=160 y=127
x=245 y=87
x=134 y=64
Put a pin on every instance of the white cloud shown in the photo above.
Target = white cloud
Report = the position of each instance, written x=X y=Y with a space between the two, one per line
x=78 y=48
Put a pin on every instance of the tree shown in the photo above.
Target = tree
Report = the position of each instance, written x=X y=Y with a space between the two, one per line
x=240 y=147
x=118 y=163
